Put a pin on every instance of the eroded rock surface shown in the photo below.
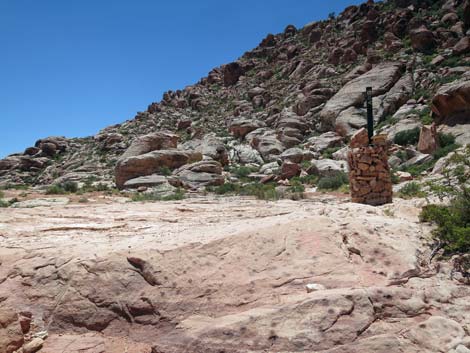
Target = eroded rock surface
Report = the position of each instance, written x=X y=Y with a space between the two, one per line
x=205 y=275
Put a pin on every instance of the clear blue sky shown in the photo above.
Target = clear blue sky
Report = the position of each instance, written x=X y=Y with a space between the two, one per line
x=72 y=67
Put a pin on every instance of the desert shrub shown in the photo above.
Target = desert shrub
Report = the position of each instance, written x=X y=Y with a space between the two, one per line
x=452 y=219
x=175 y=196
x=2 y=194
x=70 y=186
x=242 y=171
x=333 y=182
x=227 y=188
x=296 y=186
x=407 y=137
x=412 y=189
x=261 y=191
x=4 y=203
x=55 y=190
x=164 y=171
x=328 y=153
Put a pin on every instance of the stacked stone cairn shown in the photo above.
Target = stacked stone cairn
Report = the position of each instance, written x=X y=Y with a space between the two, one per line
x=369 y=172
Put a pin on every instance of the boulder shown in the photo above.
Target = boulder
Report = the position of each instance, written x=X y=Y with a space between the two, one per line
x=422 y=39
x=152 y=162
x=146 y=181
x=381 y=78
x=11 y=335
x=350 y=120
x=151 y=142
x=231 y=73
x=289 y=170
x=327 y=167
x=210 y=146
x=60 y=142
x=240 y=127
x=294 y=155
x=324 y=141
x=265 y=141
x=428 y=141
x=462 y=46
x=33 y=346
x=419 y=159
x=303 y=106
x=452 y=102
x=359 y=139
x=198 y=174
x=245 y=154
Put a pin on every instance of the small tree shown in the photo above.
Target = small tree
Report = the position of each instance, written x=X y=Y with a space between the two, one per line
x=453 y=218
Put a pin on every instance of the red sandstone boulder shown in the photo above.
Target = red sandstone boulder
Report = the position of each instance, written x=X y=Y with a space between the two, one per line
x=428 y=142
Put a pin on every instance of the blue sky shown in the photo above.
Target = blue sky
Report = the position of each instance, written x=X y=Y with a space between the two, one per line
x=72 y=67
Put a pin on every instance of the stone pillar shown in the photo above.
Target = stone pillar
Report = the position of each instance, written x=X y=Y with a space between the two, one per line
x=369 y=174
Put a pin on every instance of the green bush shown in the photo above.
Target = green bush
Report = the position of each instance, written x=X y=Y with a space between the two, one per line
x=4 y=203
x=70 y=186
x=453 y=219
x=2 y=194
x=227 y=188
x=175 y=196
x=242 y=171
x=55 y=190
x=412 y=189
x=407 y=137
x=164 y=171
x=296 y=186
x=445 y=139
x=333 y=182
x=328 y=153
x=261 y=191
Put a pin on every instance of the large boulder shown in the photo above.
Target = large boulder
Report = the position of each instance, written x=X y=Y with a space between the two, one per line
x=422 y=39
x=428 y=142
x=265 y=141
x=327 y=140
x=199 y=174
x=59 y=142
x=327 y=167
x=452 y=102
x=210 y=146
x=152 y=162
x=245 y=154
x=350 y=120
x=151 y=142
x=240 y=127
x=231 y=73
x=381 y=78
x=146 y=181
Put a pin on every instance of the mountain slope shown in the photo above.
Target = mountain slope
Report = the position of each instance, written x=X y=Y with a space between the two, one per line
x=285 y=92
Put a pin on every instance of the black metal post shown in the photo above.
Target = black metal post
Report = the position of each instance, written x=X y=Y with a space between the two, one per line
x=370 y=116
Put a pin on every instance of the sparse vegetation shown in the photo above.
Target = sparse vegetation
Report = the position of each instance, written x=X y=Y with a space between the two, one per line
x=407 y=137
x=412 y=189
x=332 y=183
x=453 y=219
x=179 y=194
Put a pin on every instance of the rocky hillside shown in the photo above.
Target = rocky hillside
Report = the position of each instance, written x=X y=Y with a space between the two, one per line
x=287 y=107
